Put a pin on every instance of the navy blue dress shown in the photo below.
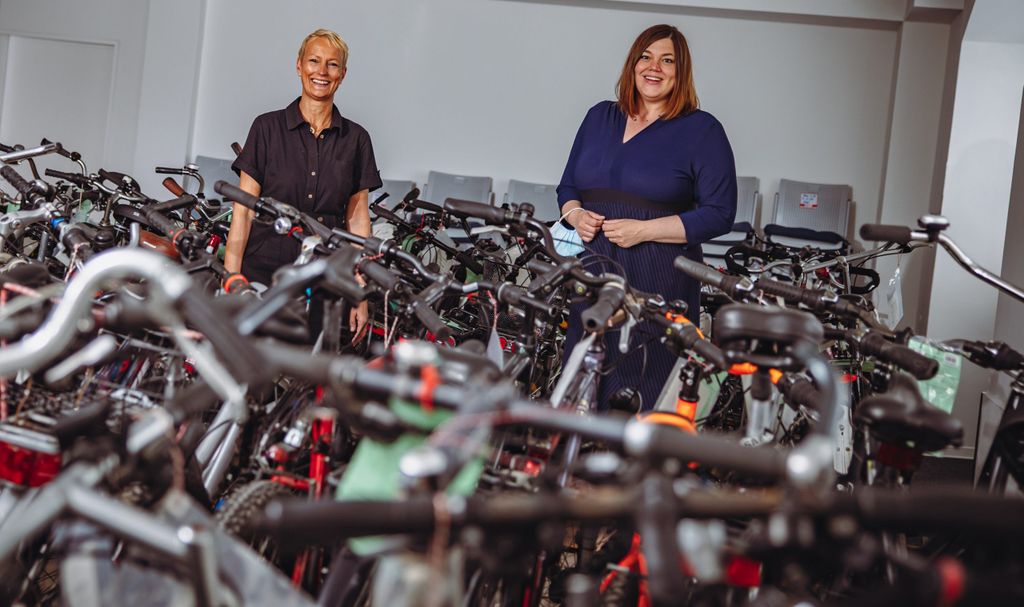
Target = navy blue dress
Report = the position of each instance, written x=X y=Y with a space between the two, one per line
x=683 y=167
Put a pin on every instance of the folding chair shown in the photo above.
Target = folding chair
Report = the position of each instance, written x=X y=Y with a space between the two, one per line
x=810 y=214
x=542 y=196
x=747 y=207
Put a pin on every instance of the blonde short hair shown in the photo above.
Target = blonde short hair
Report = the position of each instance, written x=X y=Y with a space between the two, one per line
x=332 y=38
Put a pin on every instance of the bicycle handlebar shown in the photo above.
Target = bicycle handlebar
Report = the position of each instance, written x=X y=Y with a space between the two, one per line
x=918 y=365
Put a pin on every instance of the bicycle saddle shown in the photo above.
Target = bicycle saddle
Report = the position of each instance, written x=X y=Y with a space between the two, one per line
x=742 y=322
x=901 y=415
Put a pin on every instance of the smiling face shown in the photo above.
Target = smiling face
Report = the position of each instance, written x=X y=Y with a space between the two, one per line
x=655 y=71
x=321 y=69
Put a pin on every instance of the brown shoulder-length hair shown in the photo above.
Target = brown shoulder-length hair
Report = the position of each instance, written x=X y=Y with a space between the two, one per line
x=683 y=98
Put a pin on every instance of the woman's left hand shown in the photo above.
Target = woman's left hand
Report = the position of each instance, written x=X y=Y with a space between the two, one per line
x=357 y=321
x=624 y=232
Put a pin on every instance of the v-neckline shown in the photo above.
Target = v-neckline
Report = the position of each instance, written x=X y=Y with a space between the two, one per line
x=622 y=138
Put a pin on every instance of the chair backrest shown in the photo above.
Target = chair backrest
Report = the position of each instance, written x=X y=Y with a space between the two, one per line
x=542 y=196
x=747 y=196
x=464 y=187
x=213 y=170
x=815 y=206
x=396 y=189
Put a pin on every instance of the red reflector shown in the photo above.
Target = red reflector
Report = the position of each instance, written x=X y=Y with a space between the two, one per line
x=532 y=468
x=28 y=458
x=849 y=378
x=743 y=572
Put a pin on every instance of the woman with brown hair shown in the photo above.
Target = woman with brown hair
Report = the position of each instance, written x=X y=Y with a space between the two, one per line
x=649 y=178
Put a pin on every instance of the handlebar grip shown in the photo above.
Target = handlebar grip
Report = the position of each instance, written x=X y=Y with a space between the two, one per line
x=710 y=352
x=172 y=186
x=423 y=205
x=111 y=176
x=379 y=275
x=518 y=296
x=656 y=442
x=784 y=290
x=168 y=171
x=74 y=239
x=15 y=179
x=161 y=222
x=478 y=210
x=237 y=149
x=75 y=178
x=184 y=201
x=313 y=521
x=237 y=194
x=656 y=523
x=242 y=359
x=73 y=156
x=918 y=365
x=698 y=271
x=431 y=321
x=539 y=267
x=886 y=233
x=609 y=300
x=802 y=393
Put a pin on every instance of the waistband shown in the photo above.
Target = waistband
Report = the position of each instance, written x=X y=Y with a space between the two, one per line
x=608 y=195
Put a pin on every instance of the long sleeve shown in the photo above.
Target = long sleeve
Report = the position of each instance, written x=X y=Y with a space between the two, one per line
x=714 y=170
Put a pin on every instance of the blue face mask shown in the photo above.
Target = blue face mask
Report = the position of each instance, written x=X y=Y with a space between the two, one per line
x=567 y=241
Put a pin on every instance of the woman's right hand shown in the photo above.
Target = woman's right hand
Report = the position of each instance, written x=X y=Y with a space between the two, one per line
x=587 y=223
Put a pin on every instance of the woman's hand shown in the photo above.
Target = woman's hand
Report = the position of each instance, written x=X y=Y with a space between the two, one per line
x=357 y=321
x=625 y=232
x=587 y=223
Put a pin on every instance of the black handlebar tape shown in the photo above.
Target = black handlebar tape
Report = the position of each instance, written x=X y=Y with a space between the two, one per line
x=657 y=442
x=430 y=320
x=609 y=300
x=242 y=359
x=237 y=149
x=15 y=179
x=237 y=194
x=656 y=523
x=918 y=365
x=423 y=205
x=173 y=187
x=477 y=210
x=885 y=233
x=169 y=171
x=518 y=296
x=379 y=275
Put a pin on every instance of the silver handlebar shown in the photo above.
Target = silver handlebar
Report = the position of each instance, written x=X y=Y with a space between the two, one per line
x=167 y=283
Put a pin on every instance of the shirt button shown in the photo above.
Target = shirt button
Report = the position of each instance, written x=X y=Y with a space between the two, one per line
x=309 y=195
x=313 y=173
x=321 y=135
x=320 y=218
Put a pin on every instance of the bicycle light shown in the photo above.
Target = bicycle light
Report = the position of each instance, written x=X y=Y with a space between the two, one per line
x=27 y=457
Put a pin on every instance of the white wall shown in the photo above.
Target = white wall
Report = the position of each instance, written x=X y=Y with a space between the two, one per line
x=493 y=87
x=36 y=106
x=913 y=142
x=120 y=23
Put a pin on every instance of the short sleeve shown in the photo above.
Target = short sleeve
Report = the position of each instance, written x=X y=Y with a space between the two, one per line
x=366 y=174
x=252 y=160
